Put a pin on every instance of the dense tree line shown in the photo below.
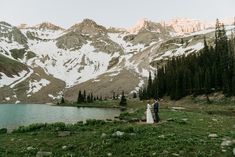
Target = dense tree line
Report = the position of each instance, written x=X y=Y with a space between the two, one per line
x=87 y=98
x=210 y=70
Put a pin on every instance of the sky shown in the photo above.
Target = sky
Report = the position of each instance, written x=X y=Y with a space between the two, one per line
x=116 y=13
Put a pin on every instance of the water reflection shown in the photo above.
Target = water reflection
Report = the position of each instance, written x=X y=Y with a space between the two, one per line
x=12 y=116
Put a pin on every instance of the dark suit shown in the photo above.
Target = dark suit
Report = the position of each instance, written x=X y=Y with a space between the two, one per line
x=156 y=110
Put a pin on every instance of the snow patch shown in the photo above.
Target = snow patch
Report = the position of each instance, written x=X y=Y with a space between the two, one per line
x=43 y=33
x=35 y=86
x=180 y=51
x=6 y=81
x=115 y=74
x=59 y=95
x=127 y=46
x=96 y=80
x=73 y=67
x=140 y=85
x=7 y=98
x=22 y=78
x=17 y=102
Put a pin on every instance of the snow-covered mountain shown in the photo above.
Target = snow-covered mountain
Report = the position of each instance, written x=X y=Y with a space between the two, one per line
x=40 y=63
x=185 y=25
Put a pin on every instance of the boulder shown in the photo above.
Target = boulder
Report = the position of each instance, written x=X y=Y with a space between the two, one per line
x=213 y=135
x=118 y=133
x=64 y=147
x=30 y=148
x=63 y=133
x=103 y=135
x=226 y=143
x=44 y=154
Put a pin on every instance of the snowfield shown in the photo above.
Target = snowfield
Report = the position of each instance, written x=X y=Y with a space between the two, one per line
x=179 y=51
x=35 y=86
x=127 y=46
x=6 y=81
x=43 y=33
x=73 y=67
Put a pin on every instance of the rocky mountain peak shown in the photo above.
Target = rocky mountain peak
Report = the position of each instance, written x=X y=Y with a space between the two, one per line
x=138 y=26
x=185 y=25
x=48 y=25
x=88 y=22
x=23 y=26
x=147 y=25
x=88 y=26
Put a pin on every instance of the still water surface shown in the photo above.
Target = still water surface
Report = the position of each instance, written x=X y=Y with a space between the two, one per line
x=15 y=115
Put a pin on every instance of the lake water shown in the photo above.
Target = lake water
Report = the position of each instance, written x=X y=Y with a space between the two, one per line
x=15 y=115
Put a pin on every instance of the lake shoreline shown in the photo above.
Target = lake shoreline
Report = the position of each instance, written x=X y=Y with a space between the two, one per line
x=15 y=115
x=96 y=104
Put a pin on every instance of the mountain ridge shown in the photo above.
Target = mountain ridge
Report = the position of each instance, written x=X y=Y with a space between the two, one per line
x=87 y=56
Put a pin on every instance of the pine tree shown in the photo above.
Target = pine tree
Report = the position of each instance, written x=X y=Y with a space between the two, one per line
x=114 y=96
x=149 y=87
x=79 y=99
x=134 y=95
x=62 y=100
x=233 y=85
x=145 y=94
x=84 y=96
x=123 y=101
x=141 y=94
x=92 y=97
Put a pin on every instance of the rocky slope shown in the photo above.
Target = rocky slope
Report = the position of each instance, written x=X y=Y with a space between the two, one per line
x=38 y=64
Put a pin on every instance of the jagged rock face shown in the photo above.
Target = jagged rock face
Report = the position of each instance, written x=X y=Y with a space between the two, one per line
x=88 y=30
x=90 y=27
x=11 y=67
x=48 y=26
x=143 y=37
x=146 y=32
x=46 y=61
x=71 y=41
x=104 y=44
x=12 y=34
x=183 y=25
x=146 y=25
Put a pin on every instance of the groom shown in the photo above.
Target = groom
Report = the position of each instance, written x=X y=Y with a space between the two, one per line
x=156 y=110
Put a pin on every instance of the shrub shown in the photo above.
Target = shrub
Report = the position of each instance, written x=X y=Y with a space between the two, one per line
x=30 y=128
x=3 y=131
x=95 y=122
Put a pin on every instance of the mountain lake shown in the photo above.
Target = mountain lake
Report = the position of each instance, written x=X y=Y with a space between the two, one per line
x=15 y=115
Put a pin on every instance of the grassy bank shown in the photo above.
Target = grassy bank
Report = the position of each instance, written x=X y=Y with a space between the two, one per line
x=187 y=131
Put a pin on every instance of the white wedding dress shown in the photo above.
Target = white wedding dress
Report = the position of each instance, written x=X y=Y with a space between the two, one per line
x=149 y=116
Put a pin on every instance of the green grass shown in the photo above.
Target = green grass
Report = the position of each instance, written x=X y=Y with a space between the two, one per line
x=173 y=136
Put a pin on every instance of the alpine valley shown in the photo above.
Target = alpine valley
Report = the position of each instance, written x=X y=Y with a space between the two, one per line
x=39 y=64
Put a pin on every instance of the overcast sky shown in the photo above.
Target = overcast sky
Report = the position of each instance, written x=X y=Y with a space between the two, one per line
x=117 y=13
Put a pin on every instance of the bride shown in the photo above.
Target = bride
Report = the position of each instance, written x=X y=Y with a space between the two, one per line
x=149 y=116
